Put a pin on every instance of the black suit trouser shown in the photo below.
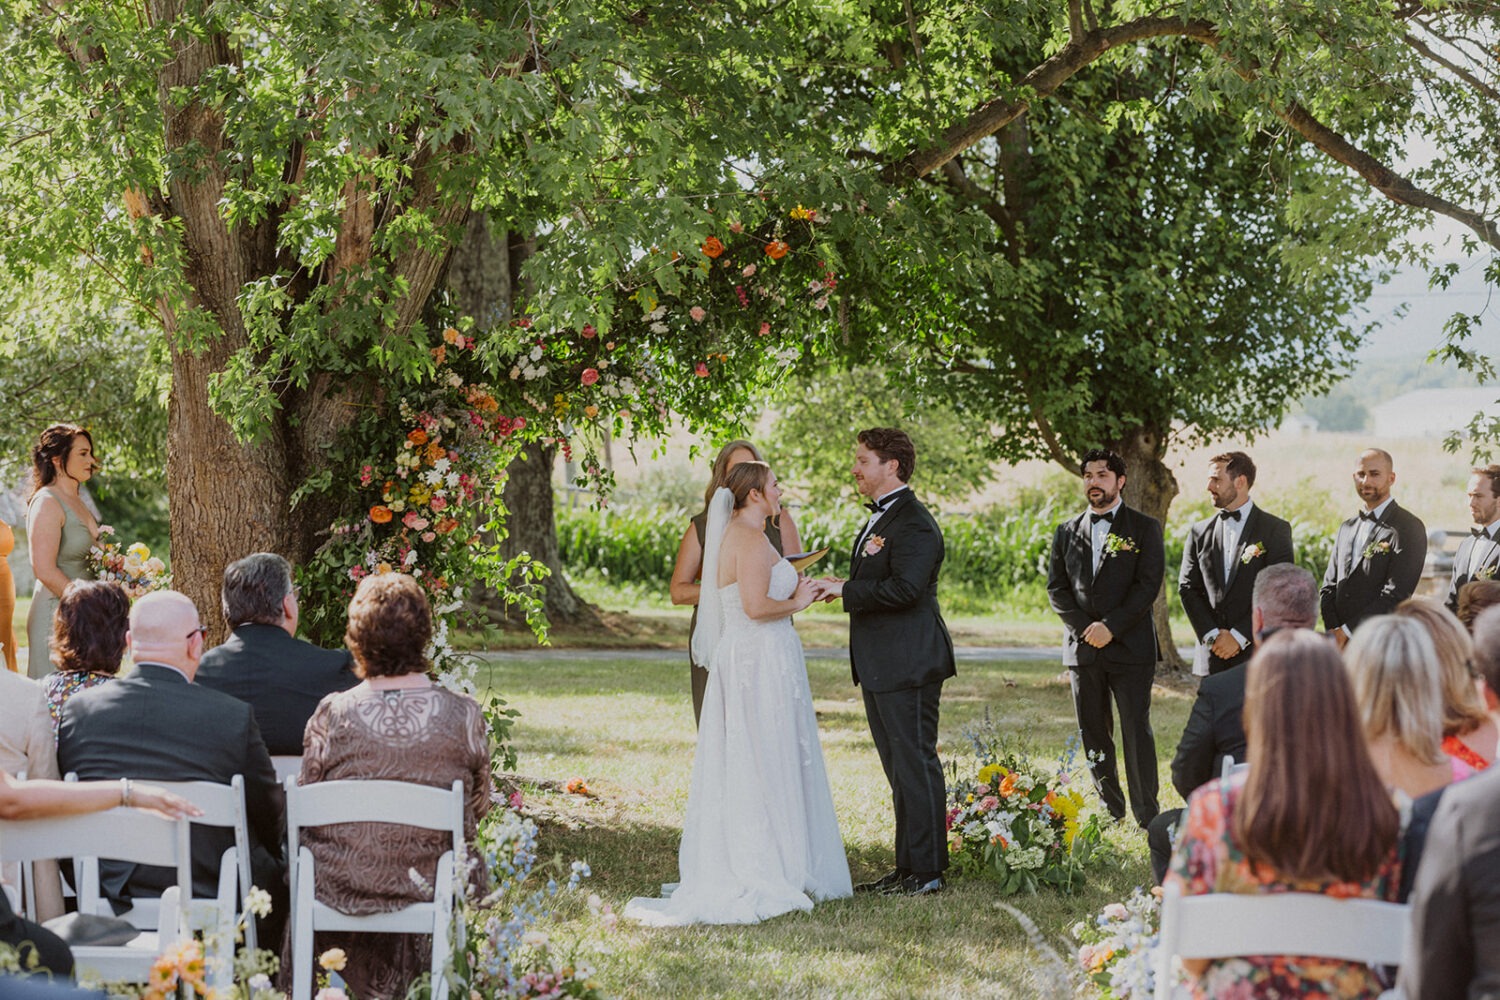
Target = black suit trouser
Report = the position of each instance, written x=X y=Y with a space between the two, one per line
x=904 y=725
x=1161 y=835
x=1129 y=686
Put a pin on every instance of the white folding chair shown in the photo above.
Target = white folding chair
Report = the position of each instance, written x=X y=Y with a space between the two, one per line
x=329 y=802
x=287 y=766
x=119 y=835
x=1229 y=768
x=223 y=806
x=1226 y=925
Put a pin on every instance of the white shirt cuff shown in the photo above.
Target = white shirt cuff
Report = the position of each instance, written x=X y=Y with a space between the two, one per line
x=1210 y=636
x=1244 y=643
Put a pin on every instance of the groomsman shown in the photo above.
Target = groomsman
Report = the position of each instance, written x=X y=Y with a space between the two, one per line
x=1221 y=559
x=1106 y=569
x=1479 y=556
x=1377 y=554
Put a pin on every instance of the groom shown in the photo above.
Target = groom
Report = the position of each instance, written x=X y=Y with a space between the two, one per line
x=900 y=652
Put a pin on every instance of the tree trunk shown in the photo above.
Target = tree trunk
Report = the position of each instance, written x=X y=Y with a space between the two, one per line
x=1150 y=488
x=484 y=277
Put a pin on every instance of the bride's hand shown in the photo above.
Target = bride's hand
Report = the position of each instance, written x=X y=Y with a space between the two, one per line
x=805 y=594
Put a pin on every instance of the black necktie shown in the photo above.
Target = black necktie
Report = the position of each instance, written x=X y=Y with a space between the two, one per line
x=875 y=508
x=1229 y=515
x=1096 y=518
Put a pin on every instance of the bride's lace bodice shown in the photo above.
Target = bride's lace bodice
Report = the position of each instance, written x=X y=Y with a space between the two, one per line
x=783 y=585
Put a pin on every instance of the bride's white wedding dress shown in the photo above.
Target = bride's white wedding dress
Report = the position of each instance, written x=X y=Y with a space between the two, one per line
x=760 y=837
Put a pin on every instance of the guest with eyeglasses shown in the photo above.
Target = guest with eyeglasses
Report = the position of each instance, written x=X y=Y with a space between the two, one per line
x=157 y=724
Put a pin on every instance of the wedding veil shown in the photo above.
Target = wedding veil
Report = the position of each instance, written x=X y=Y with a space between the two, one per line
x=710 y=605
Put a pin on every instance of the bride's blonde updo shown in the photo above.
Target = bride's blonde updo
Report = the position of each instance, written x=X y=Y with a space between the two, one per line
x=745 y=477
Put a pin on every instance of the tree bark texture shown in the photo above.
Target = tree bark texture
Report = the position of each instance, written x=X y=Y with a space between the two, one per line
x=484 y=278
x=1150 y=488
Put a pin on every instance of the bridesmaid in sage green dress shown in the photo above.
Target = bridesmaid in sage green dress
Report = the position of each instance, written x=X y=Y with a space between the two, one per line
x=59 y=530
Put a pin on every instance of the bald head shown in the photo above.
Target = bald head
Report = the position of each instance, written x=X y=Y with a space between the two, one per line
x=164 y=629
x=1374 y=476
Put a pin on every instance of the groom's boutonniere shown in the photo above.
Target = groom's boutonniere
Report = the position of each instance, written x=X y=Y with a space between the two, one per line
x=1485 y=573
x=1374 y=548
x=874 y=544
x=1119 y=543
x=1252 y=552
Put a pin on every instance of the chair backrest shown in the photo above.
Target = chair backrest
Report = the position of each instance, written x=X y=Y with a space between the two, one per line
x=223 y=806
x=1228 y=768
x=1225 y=925
x=286 y=765
x=118 y=834
x=326 y=802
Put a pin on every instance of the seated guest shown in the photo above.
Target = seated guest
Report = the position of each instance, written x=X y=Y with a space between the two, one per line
x=1394 y=667
x=1456 y=902
x=27 y=745
x=88 y=640
x=1469 y=733
x=1285 y=596
x=263 y=663
x=396 y=725
x=38 y=948
x=1474 y=597
x=1310 y=815
x=157 y=724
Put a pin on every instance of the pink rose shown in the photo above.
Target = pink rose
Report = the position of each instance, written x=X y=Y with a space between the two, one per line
x=590 y=376
x=515 y=800
x=438 y=503
x=988 y=803
x=697 y=312
x=414 y=521
x=588 y=331
x=428 y=536
x=701 y=370
x=765 y=328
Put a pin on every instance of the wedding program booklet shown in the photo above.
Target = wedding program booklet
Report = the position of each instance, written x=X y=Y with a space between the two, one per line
x=801 y=560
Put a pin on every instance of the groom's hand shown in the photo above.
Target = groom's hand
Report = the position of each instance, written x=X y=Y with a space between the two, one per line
x=833 y=588
x=1098 y=635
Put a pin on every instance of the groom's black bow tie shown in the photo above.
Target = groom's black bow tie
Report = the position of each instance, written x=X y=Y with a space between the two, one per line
x=876 y=508
x=1096 y=518
x=1366 y=515
x=1480 y=532
x=1229 y=515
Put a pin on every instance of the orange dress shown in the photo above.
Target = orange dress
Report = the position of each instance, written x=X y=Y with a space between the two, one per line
x=7 y=598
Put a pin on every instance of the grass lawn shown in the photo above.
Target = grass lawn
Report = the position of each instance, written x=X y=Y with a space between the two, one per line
x=625 y=725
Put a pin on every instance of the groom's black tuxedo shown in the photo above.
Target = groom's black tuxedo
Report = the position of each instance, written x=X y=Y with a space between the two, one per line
x=1385 y=572
x=1120 y=595
x=1209 y=601
x=900 y=654
x=1488 y=568
x=897 y=637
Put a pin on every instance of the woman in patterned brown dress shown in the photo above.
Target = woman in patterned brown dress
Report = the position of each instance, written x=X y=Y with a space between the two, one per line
x=398 y=726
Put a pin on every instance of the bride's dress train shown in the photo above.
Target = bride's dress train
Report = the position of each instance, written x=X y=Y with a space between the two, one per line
x=760 y=837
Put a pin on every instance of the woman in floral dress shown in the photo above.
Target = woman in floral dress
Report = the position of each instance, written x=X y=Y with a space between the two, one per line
x=88 y=641
x=1310 y=815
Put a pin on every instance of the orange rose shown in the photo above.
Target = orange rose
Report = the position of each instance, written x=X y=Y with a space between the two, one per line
x=446 y=525
x=435 y=451
x=713 y=247
x=776 y=249
x=381 y=514
x=417 y=437
x=1008 y=785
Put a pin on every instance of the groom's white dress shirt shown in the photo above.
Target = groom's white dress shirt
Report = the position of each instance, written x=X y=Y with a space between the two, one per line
x=875 y=516
x=1099 y=529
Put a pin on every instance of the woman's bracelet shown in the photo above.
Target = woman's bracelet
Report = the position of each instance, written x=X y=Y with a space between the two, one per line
x=124 y=791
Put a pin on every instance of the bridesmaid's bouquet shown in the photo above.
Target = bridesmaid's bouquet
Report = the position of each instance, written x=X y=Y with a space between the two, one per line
x=135 y=568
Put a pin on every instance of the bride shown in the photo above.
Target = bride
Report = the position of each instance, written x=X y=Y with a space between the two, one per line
x=760 y=837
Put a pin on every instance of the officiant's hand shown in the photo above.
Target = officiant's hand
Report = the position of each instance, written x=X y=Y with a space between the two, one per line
x=1098 y=635
x=1225 y=647
x=833 y=588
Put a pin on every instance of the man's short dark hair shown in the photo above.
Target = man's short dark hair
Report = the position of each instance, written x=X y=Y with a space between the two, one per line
x=1287 y=596
x=1114 y=463
x=254 y=588
x=1487 y=646
x=1237 y=464
x=892 y=443
x=1492 y=473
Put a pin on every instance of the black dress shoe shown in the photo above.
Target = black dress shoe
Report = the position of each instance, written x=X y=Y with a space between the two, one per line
x=921 y=884
x=884 y=883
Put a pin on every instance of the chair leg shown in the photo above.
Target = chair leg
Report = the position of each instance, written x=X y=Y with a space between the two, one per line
x=302 y=928
x=442 y=926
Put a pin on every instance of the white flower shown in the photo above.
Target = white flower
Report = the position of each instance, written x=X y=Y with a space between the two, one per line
x=411 y=557
x=658 y=328
x=258 y=901
x=441 y=465
x=259 y=982
x=452 y=480
x=534 y=939
x=432 y=477
x=536 y=353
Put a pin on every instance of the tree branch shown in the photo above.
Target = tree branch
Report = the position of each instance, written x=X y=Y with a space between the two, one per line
x=1467 y=77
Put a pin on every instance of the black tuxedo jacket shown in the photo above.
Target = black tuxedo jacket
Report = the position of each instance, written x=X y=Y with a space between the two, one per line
x=1120 y=595
x=1489 y=566
x=1359 y=586
x=154 y=725
x=1214 y=731
x=1210 y=603
x=897 y=636
x=281 y=678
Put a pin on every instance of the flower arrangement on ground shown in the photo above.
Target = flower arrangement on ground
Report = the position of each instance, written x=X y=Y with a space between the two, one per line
x=1117 y=947
x=134 y=568
x=1019 y=820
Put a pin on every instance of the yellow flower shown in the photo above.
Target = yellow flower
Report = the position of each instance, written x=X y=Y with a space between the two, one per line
x=140 y=551
x=333 y=960
x=989 y=772
x=384 y=567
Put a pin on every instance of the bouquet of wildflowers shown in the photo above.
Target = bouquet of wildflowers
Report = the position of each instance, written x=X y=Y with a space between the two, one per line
x=1117 y=947
x=135 y=569
x=1018 y=819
